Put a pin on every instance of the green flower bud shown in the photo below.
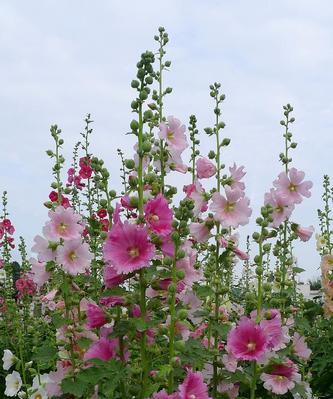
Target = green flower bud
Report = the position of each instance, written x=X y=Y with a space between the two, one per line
x=182 y=314
x=129 y=163
x=134 y=125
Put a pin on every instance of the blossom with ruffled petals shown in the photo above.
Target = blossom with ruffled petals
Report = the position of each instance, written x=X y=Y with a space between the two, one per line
x=292 y=185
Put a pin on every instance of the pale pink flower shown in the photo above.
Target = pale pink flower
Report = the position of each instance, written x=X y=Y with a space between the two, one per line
x=95 y=316
x=197 y=193
x=229 y=388
x=247 y=341
x=231 y=243
x=158 y=215
x=205 y=168
x=53 y=386
x=300 y=347
x=199 y=231
x=187 y=264
x=38 y=272
x=174 y=134
x=282 y=378
x=128 y=248
x=46 y=250
x=164 y=395
x=64 y=223
x=232 y=210
x=292 y=185
x=193 y=387
x=236 y=174
x=273 y=330
x=230 y=362
x=74 y=256
x=304 y=233
x=282 y=206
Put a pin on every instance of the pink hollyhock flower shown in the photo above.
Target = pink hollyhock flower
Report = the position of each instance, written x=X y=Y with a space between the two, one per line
x=174 y=134
x=232 y=210
x=95 y=316
x=111 y=277
x=53 y=385
x=193 y=387
x=64 y=224
x=116 y=213
x=158 y=215
x=126 y=203
x=231 y=243
x=168 y=247
x=74 y=256
x=282 y=378
x=230 y=362
x=187 y=264
x=128 y=248
x=300 y=347
x=282 y=206
x=199 y=231
x=274 y=333
x=46 y=250
x=112 y=300
x=236 y=174
x=103 y=349
x=231 y=390
x=164 y=395
x=304 y=233
x=247 y=341
x=292 y=185
x=205 y=168
x=197 y=193
x=38 y=273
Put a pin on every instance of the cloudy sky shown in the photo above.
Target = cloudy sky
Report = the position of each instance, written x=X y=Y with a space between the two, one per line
x=62 y=59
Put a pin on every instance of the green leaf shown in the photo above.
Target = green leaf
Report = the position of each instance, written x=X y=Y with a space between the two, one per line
x=74 y=387
x=45 y=353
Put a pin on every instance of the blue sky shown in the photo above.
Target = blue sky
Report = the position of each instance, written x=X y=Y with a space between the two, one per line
x=61 y=60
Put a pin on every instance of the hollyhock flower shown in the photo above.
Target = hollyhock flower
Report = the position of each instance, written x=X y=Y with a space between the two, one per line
x=273 y=330
x=176 y=163
x=111 y=277
x=282 y=206
x=197 y=193
x=193 y=387
x=13 y=383
x=231 y=243
x=174 y=134
x=38 y=272
x=247 y=341
x=158 y=215
x=64 y=224
x=232 y=210
x=200 y=231
x=230 y=362
x=187 y=264
x=236 y=174
x=53 y=196
x=164 y=395
x=320 y=242
x=85 y=169
x=205 y=168
x=46 y=250
x=282 y=378
x=128 y=248
x=112 y=300
x=292 y=185
x=8 y=359
x=95 y=316
x=304 y=233
x=74 y=256
x=228 y=388
x=103 y=349
x=300 y=347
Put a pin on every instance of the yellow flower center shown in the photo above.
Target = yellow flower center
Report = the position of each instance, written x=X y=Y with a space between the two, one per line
x=279 y=209
x=170 y=135
x=251 y=346
x=279 y=377
x=72 y=256
x=62 y=227
x=292 y=187
x=229 y=207
x=39 y=396
x=133 y=252
x=154 y=218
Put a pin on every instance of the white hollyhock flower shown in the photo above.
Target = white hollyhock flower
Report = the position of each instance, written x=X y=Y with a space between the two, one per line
x=13 y=383
x=39 y=394
x=8 y=359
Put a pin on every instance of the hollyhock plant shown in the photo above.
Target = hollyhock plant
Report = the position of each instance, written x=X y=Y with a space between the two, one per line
x=205 y=168
x=64 y=223
x=174 y=134
x=74 y=256
x=292 y=186
x=247 y=341
x=158 y=215
x=128 y=248
x=232 y=210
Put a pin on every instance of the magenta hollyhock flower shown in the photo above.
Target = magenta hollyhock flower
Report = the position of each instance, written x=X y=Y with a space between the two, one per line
x=128 y=248
x=292 y=185
x=95 y=316
x=205 y=168
x=300 y=347
x=282 y=378
x=164 y=395
x=112 y=300
x=103 y=349
x=38 y=272
x=174 y=134
x=158 y=215
x=282 y=206
x=193 y=387
x=236 y=175
x=64 y=224
x=232 y=210
x=74 y=256
x=44 y=249
x=304 y=233
x=111 y=277
x=247 y=341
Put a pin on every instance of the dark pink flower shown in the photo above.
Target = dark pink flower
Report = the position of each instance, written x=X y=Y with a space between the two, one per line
x=158 y=215
x=111 y=277
x=193 y=387
x=128 y=248
x=95 y=316
x=103 y=349
x=111 y=300
x=247 y=341
x=205 y=168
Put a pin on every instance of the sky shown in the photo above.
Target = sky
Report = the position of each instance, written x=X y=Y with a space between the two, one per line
x=60 y=60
